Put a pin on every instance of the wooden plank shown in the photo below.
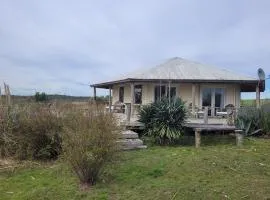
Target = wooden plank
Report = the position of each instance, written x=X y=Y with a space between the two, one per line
x=197 y=138
x=132 y=99
x=258 y=96
x=110 y=99
x=193 y=98
x=205 y=116
x=128 y=107
x=239 y=137
x=95 y=93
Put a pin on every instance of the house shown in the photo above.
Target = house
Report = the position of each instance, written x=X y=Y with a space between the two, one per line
x=198 y=84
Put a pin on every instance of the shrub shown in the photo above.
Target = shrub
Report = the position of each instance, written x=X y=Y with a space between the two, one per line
x=265 y=122
x=30 y=132
x=251 y=120
x=90 y=142
x=164 y=119
x=39 y=97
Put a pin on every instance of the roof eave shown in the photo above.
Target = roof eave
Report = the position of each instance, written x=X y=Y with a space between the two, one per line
x=107 y=85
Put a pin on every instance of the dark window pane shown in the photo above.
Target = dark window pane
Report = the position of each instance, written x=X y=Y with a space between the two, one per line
x=138 y=94
x=121 y=94
x=207 y=97
x=219 y=97
x=172 y=92
x=160 y=92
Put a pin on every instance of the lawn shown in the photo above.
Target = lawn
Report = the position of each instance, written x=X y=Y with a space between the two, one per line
x=220 y=171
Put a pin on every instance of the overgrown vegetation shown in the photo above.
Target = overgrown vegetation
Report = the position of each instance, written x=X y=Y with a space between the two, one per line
x=29 y=132
x=90 y=141
x=164 y=119
x=253 y=120
x=87 y=135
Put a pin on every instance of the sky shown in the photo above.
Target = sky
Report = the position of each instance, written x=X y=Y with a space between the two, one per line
x=62 y=46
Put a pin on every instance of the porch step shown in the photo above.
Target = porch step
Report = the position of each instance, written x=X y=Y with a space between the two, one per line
x=128 y=134
x=129 y=140
x=138 y=147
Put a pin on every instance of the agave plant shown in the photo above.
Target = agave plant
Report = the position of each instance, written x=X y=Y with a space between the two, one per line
x=249 y=120
x=164 y=119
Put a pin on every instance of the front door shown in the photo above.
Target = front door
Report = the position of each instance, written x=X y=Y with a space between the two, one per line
x=213 y=98
x=207 y=99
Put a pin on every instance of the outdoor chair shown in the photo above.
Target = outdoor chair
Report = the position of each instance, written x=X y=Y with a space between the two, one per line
x=223 y=112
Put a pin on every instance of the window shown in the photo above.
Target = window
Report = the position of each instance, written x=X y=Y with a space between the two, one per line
x=138 y=94
x=172 y=92
x=160 y=92
x=214 y=98
x=121 y=94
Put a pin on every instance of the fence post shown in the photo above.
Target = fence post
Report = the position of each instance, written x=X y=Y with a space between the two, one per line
x=128 y=106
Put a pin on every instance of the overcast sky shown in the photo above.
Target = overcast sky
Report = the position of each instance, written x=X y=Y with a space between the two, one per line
x=60 y=46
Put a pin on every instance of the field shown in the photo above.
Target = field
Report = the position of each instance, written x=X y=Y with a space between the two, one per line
x=218 y=171
x=252 y=102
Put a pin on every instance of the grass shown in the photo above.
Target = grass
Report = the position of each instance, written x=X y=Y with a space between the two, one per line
x=220 y=171
x=252 y=102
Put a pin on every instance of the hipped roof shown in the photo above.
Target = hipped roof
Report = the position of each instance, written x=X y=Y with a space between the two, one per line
x=180 y=70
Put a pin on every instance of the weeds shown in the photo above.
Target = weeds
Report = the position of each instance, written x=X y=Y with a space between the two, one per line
x=30 y=132
x=89 y=142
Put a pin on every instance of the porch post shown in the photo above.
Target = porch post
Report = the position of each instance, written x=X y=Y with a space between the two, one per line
x=213 y=103
x=131 y=99
x=95 y=93
x=258 y=96
x=193 y=98
x=169 y=92
x=197 y=138
x=205 y=116
x=110 y=99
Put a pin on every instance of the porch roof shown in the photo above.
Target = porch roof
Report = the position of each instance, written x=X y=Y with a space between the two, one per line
x=179 y=70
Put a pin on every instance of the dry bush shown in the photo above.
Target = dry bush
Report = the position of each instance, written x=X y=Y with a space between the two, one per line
x=89 y=141
x=30 y=132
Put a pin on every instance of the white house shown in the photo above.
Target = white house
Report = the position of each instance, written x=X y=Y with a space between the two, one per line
x=198 y=84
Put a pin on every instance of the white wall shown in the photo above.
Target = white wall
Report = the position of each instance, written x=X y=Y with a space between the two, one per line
x=184 y=90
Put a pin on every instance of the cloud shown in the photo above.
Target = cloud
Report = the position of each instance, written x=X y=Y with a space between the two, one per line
x=61 y=46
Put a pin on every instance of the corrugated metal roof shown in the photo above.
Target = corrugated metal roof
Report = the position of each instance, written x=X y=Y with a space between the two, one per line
x=182 y=69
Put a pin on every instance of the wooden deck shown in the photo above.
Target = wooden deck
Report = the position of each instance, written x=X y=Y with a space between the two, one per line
x=197 y=125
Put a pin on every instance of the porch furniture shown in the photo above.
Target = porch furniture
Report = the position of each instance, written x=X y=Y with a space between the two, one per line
x=228 y=110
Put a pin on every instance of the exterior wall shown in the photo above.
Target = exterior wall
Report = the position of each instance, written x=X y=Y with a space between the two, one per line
x=183 y=90
x=115 y=93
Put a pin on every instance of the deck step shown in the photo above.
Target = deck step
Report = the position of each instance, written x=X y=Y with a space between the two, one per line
x=138 y=147
x=130 y=142
x=128 y=134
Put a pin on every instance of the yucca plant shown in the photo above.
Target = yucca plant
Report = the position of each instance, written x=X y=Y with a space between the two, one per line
x=249 y=119
x=164 y=119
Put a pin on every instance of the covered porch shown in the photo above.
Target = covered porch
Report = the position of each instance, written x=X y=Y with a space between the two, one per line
x=128 y=96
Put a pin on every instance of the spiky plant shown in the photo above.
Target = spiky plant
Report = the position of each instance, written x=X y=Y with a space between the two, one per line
x=164 y=119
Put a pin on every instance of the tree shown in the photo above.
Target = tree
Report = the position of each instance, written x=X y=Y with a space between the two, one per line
x=40 y=97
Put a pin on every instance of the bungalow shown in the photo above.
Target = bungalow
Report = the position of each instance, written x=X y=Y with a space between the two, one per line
x=198 y=84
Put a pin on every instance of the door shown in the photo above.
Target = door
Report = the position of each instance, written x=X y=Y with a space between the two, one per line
x=213 y=98
x=207 y=99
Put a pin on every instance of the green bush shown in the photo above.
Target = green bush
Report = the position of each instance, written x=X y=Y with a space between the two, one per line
x=164 y=119
x=89 y=142
x=30 y=132
x=265 y=122
x=39 y=97
x=252 y=119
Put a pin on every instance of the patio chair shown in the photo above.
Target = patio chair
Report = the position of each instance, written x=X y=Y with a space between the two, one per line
x=223 y=112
